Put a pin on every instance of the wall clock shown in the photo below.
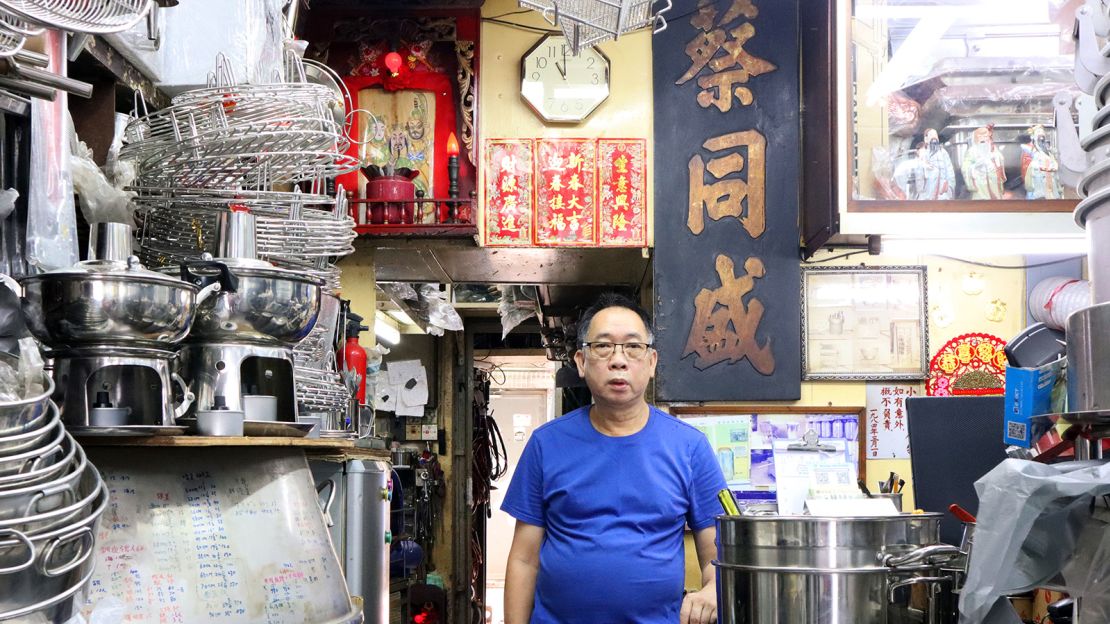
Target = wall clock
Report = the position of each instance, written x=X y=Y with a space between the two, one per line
x=560 y=86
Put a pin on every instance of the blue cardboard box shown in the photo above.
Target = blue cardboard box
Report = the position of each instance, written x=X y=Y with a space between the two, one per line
x=1031 y=392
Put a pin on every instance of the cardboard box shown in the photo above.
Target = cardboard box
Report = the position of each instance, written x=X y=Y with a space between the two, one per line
x=1031 y=392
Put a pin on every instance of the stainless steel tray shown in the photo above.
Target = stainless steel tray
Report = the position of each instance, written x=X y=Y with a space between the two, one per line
x=128 y=430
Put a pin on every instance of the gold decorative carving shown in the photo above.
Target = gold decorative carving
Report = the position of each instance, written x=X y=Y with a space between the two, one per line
x=467 y=95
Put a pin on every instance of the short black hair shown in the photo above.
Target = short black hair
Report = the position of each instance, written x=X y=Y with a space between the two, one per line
x=612 y=300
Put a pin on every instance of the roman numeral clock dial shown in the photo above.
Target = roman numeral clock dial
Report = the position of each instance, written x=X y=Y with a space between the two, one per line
x=560 y=86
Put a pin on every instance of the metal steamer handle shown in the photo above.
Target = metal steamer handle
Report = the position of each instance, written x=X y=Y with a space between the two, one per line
x=187 y=396
x=926 y=555
x=20 y=537
x=85 y=549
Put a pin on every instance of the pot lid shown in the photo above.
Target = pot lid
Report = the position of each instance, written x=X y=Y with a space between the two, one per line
x=130 y=269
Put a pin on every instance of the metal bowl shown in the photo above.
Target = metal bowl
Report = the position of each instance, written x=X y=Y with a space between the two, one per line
x=106 y=303
x=267 y=306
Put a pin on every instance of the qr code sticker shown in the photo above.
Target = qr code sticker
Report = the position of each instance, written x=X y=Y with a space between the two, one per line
x=1015 y=430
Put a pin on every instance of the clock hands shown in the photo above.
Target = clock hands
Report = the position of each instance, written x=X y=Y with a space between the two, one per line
x=563 y=69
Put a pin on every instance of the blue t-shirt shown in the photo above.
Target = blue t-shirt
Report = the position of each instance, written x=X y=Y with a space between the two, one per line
x=613 y=510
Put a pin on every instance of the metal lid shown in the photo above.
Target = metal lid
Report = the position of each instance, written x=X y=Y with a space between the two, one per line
x=130 y=269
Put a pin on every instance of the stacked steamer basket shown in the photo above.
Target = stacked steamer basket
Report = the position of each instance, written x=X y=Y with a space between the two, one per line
x=20 y=19
x=222 y=151
x=51 y=500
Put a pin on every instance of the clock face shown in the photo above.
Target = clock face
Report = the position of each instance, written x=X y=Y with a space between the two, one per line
x=560 y=86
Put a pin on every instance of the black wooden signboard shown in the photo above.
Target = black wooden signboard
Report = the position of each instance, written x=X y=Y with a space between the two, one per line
x=726 y=202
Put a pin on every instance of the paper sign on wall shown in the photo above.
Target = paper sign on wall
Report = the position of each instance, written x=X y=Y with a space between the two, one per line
x=887 y=428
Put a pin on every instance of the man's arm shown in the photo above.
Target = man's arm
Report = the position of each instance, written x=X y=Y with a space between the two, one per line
x=700 y=607
x=521 y=570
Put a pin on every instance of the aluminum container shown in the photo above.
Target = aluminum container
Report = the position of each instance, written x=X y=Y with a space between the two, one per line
x=812 y=570
x=1088 y=336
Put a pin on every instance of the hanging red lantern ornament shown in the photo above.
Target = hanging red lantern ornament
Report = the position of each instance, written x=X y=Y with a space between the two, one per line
x=393 y=63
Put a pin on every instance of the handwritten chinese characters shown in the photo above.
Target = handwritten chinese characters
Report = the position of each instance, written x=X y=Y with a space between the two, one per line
x=622 y=183
x=719 y=47
x=887 y=431
x=566 y=192
x=509 y=192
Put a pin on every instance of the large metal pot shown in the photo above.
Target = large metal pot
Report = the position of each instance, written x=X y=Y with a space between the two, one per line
x=42 y=570
x=811 y=570
x=1088 y=335
x=32 y=439
x=110 y=302
x=39 y=465
x=31 y=413
x=267 y=306
x=86 y=490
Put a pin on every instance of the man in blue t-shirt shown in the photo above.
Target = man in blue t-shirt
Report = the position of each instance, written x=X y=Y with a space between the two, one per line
x=601 y=495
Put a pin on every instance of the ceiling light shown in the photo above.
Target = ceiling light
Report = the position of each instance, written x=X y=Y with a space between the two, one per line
x=401 y=317
x=983 y=246
x=385 y=330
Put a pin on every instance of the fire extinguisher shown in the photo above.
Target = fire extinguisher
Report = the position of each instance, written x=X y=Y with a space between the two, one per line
x=354 y=356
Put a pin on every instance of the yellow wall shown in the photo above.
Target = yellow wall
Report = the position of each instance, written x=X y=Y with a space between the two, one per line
x=357 y=284
x=968 y=313
x=503 y=114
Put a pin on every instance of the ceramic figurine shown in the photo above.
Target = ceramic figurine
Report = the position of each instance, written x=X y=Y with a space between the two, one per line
x=1039 y=167
x=911 y=177
x=983 y=166
x=940 y=175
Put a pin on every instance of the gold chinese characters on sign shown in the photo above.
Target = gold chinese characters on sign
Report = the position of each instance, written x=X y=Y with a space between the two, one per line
x=719 y=46
x=727 y=317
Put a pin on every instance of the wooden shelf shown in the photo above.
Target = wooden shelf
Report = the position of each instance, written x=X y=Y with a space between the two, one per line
x=191 y=441
x=430 y=230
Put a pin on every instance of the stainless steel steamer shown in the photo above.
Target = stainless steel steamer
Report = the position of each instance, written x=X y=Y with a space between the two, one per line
x=810 y=570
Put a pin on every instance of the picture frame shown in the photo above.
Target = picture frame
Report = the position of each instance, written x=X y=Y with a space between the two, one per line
x=865 y=323
x=744 y=436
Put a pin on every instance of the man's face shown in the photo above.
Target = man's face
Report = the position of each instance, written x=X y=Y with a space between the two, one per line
x=618 y=381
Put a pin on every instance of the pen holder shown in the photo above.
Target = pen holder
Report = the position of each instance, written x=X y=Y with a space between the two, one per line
x=895 y=498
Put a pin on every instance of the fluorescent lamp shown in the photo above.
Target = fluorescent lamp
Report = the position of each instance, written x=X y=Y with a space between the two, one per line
x=984 y=246
x=385 y=330
x=400 y=317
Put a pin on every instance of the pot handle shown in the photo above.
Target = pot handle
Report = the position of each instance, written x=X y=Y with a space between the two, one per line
x=20 y=538
x=187 y=395
x=943 y=552
x=223 y=276
x=36 y=463
x=326 y=507
x=84 y=534
x=917 y=580
x=65 y=489
x=208 y=292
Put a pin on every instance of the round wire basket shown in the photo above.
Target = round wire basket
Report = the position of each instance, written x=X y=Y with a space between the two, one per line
x=87 y=16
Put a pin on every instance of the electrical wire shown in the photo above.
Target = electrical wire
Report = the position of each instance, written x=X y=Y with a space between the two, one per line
x=1009 y=266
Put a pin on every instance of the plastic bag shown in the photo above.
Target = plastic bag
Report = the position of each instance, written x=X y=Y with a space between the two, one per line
x=30 y=367
x=513 y=309
x=51 y=220
x=101 y=202
x=1035 y=522
x=441 y=314
x=7 y=202
x=399 y=290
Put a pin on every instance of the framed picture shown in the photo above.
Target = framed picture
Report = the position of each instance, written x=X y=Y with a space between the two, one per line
x=864 y=323
x=745 y=437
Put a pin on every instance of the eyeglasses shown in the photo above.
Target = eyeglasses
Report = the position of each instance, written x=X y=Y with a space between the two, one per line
x=605 y=350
